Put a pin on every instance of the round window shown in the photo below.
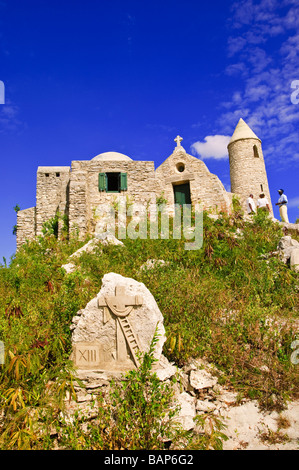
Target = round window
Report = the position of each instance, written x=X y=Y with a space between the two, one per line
x=180 y=167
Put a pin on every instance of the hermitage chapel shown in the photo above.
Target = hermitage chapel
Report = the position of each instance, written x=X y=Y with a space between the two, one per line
x=77 y=191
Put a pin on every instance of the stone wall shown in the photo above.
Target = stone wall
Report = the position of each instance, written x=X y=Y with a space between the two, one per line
x=247 y=170
x=85 y=198
x=51 y=193
x=25 y=225
x=78 y=198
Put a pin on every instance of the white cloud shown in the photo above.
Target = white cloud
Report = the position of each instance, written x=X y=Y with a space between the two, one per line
x=265 y=73
x=9 y=121
x=235 y=44
x=257 y=93
x=236 y=69
x=9 y=111
x=294 y=202
x=258 y=59
x=214 y=146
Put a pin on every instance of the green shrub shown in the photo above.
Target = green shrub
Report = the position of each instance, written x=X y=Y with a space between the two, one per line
x=140 y=414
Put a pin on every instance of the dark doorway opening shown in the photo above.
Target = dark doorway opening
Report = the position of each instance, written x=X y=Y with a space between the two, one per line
x=182 y=194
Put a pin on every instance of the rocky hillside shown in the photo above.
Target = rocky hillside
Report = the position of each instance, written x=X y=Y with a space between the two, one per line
x=231 y=312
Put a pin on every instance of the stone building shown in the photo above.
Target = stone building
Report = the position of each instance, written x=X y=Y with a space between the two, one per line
x=80 y=190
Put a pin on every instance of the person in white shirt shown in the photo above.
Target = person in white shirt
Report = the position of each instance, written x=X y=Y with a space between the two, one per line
x=263 y=203
x=250 y=205
x=282 y=203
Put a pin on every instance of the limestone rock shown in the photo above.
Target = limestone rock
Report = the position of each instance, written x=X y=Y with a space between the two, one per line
x=94 y=380
x=164 y=369
x=200 y=379
x=108 y=239
x=187 y=410
x=213 y=216
x=286 y=242
x=152 y=264
x=294 y=259
x=87 y=248
x=103 y=340
x=228 y=397
x=285 y=247
x=205 y=405
x=290 y=227
x=69 y=268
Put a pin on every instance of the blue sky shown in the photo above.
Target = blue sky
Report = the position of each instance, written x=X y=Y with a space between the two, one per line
x=82 y=78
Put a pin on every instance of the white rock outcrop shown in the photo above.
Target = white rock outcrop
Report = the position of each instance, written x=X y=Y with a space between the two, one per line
x=200 y=379
x=286 y=246
x=294 y=259
x=104 y=333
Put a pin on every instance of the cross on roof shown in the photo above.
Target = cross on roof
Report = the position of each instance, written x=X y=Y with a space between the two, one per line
x=178 y=140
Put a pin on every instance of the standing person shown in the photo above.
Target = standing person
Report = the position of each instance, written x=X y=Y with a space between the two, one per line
x=263 y=203
x=282 y=203
x=250 y=205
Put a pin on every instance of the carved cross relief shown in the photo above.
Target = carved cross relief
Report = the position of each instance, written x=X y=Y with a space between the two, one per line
x=120 y=306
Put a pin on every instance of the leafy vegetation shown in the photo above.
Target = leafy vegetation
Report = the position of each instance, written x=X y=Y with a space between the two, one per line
x=138 y=413
x=226 y=303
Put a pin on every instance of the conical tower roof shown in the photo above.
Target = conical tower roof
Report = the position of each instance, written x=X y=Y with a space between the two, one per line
x=243 y=131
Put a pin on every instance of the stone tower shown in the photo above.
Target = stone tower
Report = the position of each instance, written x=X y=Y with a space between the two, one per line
x=247 y=166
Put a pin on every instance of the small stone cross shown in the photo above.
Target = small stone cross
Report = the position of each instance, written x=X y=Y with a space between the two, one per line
x=120 y=304
x=178 y=141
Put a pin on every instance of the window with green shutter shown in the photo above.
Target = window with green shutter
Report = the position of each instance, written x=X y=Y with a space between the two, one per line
x=102 y=182
x=123 y=182
x=113 y=182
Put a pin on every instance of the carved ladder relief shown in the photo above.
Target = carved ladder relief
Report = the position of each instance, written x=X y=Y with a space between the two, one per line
x=121 y=305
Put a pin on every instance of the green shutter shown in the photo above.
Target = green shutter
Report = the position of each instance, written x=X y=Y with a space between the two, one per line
x=123 y=182
x=102 y=181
